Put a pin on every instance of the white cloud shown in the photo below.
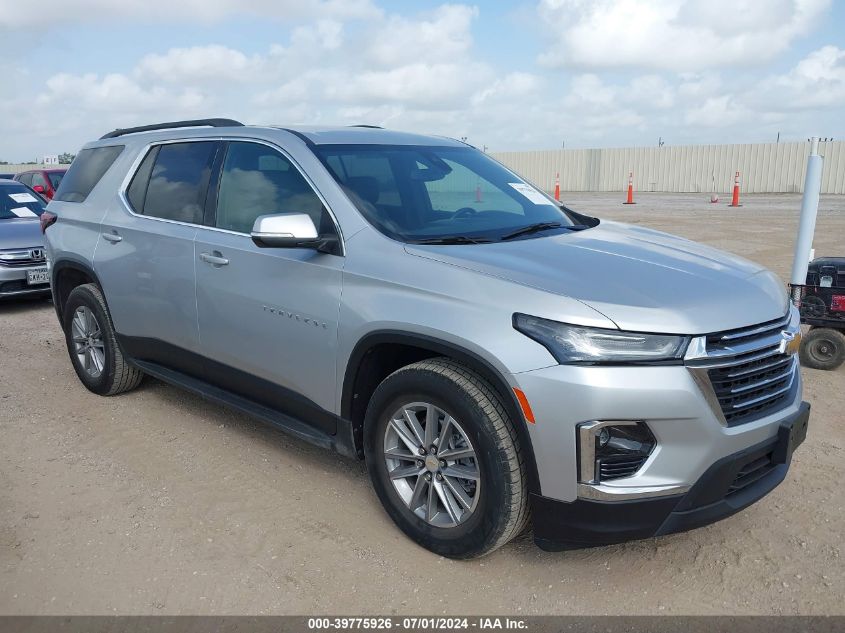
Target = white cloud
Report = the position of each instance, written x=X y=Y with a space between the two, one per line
x=426 y=86
x=443 y=36
x=699 y=86
x=678 y=35
x=423 y=73
x=197 y=63
x=16 y=14
x=114 y=93
x=817 y=81
x=388 y=68
x=721 y=111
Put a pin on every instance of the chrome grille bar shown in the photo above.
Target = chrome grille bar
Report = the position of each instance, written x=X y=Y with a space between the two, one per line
x=768 y=327
x=763 y=383
x=748 y=370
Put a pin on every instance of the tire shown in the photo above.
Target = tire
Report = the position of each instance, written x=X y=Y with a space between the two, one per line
x=473 y=517
x=101 y=366
x=823 y=348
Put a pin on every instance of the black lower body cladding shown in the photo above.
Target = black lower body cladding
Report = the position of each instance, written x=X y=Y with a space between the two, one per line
x=731 y=484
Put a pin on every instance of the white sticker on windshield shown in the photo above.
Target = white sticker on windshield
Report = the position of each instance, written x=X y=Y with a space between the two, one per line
x=22 y=198
x=530 y=192
x=23 y=212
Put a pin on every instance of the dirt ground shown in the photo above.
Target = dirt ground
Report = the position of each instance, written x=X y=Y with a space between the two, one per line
x=157 y=502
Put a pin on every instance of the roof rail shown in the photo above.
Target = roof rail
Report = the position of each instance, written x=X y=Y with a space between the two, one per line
x=373 y=127
x=173 y=124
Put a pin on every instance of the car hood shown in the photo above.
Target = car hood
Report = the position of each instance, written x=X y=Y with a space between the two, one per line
x=642 y=280
x=20 y=233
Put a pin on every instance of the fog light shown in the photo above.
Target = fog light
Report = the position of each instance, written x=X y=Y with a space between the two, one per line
x=610 y=450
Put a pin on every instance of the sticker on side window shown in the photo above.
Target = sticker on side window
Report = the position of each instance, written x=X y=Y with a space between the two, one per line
x=530 y=192
x=23 y=212
x=22 y=198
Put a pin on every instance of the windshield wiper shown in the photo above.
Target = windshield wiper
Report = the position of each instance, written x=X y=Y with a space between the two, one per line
x=532 y=228
x=453 y=239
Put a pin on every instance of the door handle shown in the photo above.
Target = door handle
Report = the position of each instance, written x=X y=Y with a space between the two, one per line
x=114 y=238
x=215 y=258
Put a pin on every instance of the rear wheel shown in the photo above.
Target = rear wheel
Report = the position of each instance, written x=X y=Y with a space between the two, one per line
x=91 y=343
x=823 y=348
x=444 y=459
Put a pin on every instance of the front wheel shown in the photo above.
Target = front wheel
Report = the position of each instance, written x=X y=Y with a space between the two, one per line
x=823 y=348
x=445 y=460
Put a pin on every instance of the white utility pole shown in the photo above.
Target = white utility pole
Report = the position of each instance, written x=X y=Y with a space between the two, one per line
x=807 y=222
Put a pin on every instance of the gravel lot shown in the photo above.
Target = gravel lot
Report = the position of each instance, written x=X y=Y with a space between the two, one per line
x=157 y=502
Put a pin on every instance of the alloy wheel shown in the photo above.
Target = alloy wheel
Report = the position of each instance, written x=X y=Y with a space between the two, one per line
x=432 y=464
x=87 y=336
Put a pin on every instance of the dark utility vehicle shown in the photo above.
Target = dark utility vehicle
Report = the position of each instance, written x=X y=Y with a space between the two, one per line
x=823 y=309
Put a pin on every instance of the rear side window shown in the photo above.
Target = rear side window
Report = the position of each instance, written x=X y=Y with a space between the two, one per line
x=178 y=181
x=137 y=191
x=85 y=172
x=55 y=178
x=38 y=180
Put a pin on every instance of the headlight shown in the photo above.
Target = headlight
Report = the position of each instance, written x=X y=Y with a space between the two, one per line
x=577 y=344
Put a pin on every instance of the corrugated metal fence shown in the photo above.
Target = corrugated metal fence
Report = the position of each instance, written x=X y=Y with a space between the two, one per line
x=763 y=167
x=16 y=169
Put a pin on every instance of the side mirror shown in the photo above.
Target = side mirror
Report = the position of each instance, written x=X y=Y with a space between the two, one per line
x=291 y=230
x=38 y=189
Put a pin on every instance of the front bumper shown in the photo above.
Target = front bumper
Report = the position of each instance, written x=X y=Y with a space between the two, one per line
x=729 y=485
x=13 y=282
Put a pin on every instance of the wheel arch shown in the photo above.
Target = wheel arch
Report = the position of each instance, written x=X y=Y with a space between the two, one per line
x=65 y=276
x=381 y=352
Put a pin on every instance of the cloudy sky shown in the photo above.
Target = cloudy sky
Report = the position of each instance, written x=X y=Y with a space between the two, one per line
x=509 y=75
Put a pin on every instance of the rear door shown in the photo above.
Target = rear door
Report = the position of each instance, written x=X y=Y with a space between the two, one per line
x=145 y=257
x=268 y=316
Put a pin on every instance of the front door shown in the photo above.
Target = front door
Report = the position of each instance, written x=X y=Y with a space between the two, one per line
x=268 y=316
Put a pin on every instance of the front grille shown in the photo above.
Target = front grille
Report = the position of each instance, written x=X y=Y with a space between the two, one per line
x=619 y=466
x=750 y=375
x=24 y=263
x=751 y=472
x=19 y=258
x=20 y=284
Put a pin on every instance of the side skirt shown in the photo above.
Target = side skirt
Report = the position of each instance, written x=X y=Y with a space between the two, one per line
x=341 y=443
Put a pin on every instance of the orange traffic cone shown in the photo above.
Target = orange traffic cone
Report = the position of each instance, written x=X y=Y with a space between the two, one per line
x=557 y=186
x=630 y=199
x=735 y=198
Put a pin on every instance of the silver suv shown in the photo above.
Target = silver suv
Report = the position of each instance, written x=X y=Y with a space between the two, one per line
x=405 y=299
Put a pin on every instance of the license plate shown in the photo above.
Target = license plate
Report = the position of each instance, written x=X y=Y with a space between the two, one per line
x=38 y=276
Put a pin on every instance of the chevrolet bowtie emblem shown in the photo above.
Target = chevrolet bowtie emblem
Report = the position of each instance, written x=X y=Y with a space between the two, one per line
x=791 y=342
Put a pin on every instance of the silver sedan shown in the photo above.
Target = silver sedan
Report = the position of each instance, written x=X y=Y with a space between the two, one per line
x=23 y=268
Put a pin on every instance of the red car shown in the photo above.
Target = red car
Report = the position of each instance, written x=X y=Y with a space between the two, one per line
x=43 y=181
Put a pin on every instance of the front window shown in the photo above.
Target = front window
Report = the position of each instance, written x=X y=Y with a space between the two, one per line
x=430 y=193
x=257 y=180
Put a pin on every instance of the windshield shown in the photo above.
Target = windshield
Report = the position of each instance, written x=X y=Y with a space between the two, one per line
x=17 y=201
x=429 y=193
x=55 y=178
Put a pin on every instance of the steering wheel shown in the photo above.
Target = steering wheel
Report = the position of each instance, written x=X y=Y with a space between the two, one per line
x=464 y=212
